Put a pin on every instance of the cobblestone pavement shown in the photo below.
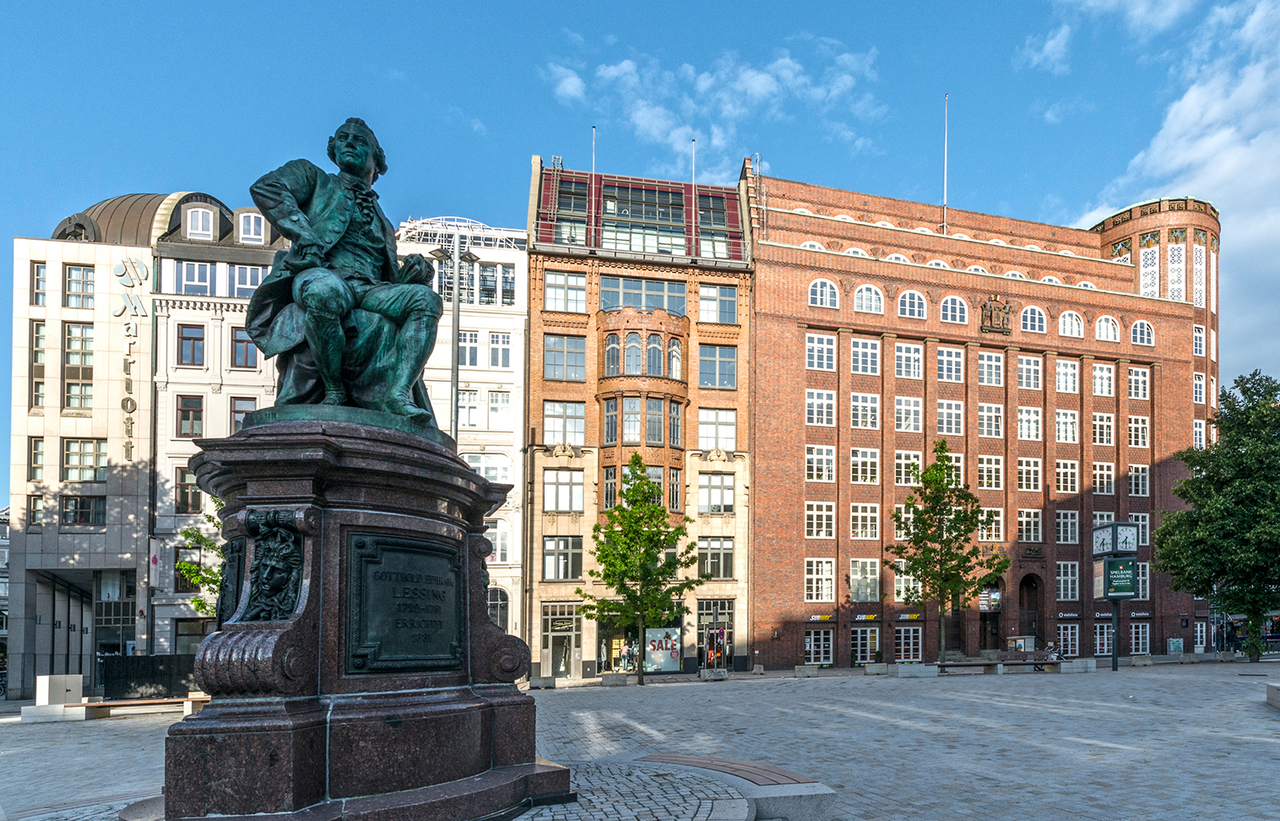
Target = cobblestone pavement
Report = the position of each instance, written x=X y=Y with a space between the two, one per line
x=1163 y=742
x=621 y=792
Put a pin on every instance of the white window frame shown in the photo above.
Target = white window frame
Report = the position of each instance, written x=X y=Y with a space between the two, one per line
x=819 y=463
x=1068 y=376
x=901 y=471
x=951 y=365
x=1066 y=477
x=864 y=466
x=820 y=408
x=990 y=421
x=950 y=418
x=991 y=368
x=864 y=580
x=1139 y=383
x=908 y=361
x=1139 y=480
x=1104 y=379
x=1068 y=581
x=820 y=352
x=864 y=356
x=819 y=580
x=1104 y=479
x=1029 y=373
x=908 y=414
x=819 y=520
x=864 y=411
x=1068 y=526
x=864 y=521
x=991 y=473
x=1030 y=424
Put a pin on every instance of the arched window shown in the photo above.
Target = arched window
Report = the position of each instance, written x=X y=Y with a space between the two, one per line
x=923 y=230
x=1106 y=329
x=868 y=300
x=954 y=310
x=1033 y=320
x=885 y=224
x=897 y=258
x=802 y=211
x=654 y=365
x=960 y=236
x=1086 y=284
x=1070 y=324
x=1142 y=333
x=977 y=269
x=1066 y=253
x=844 y=218
x=199 y=223
x=856 y=252
x=1054 y=280
x=1016 y=275
x=498 y=605
x=812 y=246
x=997 y=242
x=634 y=362
x=911 y=305
x=673 y=359
x=937 y=263
x=823 y=294
x=612 y=364
x=1032 y=247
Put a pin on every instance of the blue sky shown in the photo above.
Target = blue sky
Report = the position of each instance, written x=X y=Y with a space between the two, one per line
x=1061 y=111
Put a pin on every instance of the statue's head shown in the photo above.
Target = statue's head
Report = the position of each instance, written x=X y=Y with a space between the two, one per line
x=354 y=149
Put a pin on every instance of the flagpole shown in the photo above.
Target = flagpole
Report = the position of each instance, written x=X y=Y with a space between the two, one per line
x=946 y=99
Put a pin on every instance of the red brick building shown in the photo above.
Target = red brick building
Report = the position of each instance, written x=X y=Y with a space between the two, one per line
x=1064 y=367
x=638 y=336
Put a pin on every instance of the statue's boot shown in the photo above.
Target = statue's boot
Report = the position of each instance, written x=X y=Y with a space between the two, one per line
x=327 y=341
x=413 y=346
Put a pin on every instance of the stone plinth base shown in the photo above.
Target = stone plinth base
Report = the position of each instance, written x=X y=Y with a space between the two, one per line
x=913 y=670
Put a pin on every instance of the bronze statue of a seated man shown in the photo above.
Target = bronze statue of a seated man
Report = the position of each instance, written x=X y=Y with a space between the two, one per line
x=349 y=323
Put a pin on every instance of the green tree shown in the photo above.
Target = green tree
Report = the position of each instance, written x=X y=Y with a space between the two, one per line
x=639 y=559
x=937 y=522
x=1226 y=546
x=207 y=579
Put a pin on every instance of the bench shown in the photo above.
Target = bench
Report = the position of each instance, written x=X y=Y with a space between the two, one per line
x=1029 y=658
x=990 y=668
x=89 y=710
x=772 y=791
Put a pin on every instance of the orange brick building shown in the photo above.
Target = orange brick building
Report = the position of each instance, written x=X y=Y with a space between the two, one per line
x=638 y=336
x=1065 y=367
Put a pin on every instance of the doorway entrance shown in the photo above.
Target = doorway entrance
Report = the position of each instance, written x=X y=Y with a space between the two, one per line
x=1029 y=595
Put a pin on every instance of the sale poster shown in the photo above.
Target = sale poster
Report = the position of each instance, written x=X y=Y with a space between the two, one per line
x=662 y=650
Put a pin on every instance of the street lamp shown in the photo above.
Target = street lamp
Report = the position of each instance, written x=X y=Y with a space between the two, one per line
x=458 y=256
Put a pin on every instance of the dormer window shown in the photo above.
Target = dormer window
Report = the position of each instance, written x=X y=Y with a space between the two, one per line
x=251 y=232
x=199 y=224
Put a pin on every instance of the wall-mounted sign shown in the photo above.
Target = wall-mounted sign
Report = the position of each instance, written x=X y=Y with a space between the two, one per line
x=863 y=617
x=1140 y=614
x=989 y=600
x=1121 y=576
x=821 y=618
x=1102 y=615
x=910 y=616
x=1068 y=615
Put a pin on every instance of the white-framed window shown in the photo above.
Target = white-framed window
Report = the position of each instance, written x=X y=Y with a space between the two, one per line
x=824 y=294
x=1139 y=480
x=864 y=466
x=1067 y=424
x=1070 y=323
x=907 y=412
x=865 y=356
x=954 y=309
x=950 y=365
x=1103 y=517
x=990 y=472
x=1068 y=376
x=496 y=467
x=1069 y=640
x=199 y=224
x=715 y=493
x=820 y=408
x=499 y=350
x=196 y=278
x=819 y=520
x=819 y=463
x=717 y=429
x=864 y=411
x=1029 y=474
x=1104 y=478
x=992 y=527
x=1067 y=476
x=1102 y=630
x=1149 y=271
x=1033 y=320
x=900 y=529
x=911 y=305
x=950 y=418
x=1139 y=638
x=1139 y=381
x=1142 y=333
x=1139 y=431
x=1068 y=527
x=902 y=463
x=500 y=410
x=818 y=645
x=1106 y=329
x=564 y=423
x=864 y=644
x=990 y=368
x=864 y=580
x=469 y=349
x=499 y=535
x=868 y=299
x=864 y=521
x=1068 y=581
x=1213 y=391
x=1029 y=422
x=908 y=361
x=1197 y=434
x=1143 y=521
x=561 y=490
x=566 y=292
x=1104 y=425
x=990 y=420
x=1104 y=380
x=1197 y=388
x=905 y=586
x=1177 y=271
x=907 y=643
x=1029 y=526
x=468 y=409
x=820 y=580
x=1213 y=345
x=1029 y=372
x=251 y=229
x=1202 y=635
x=955 y=469
x=820 y=352
x=246 y=279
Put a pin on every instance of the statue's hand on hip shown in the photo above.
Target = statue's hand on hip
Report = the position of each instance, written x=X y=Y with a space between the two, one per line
x=415 y=270
x=304 y=255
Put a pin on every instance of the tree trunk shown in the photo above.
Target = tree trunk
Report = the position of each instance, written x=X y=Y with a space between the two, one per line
x=942 y=630
x=640 y=654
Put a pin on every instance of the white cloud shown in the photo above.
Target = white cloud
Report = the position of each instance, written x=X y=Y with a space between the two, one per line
x=668 y=107
x=567 y=86
x=1142 y=16
x=479 y=127
x=1051 y=52
x=1062 y=110
x=1220 y=141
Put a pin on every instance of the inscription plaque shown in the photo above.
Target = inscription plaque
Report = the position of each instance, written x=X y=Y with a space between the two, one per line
x=404 y=605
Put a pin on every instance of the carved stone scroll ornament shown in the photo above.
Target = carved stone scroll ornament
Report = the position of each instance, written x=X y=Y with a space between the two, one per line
x=231 y=579
x=275 y=580
x=501 y=658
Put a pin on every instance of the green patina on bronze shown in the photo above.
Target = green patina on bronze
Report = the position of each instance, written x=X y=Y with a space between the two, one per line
x=349 y=323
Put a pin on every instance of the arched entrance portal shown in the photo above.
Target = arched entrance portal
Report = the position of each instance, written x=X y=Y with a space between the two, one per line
x=1029 y=596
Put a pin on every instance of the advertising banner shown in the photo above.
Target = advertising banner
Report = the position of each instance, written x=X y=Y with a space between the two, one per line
x=1121 y=578
x=662 y=650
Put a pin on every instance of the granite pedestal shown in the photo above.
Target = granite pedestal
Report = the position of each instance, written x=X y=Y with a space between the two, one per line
x=356 y=673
